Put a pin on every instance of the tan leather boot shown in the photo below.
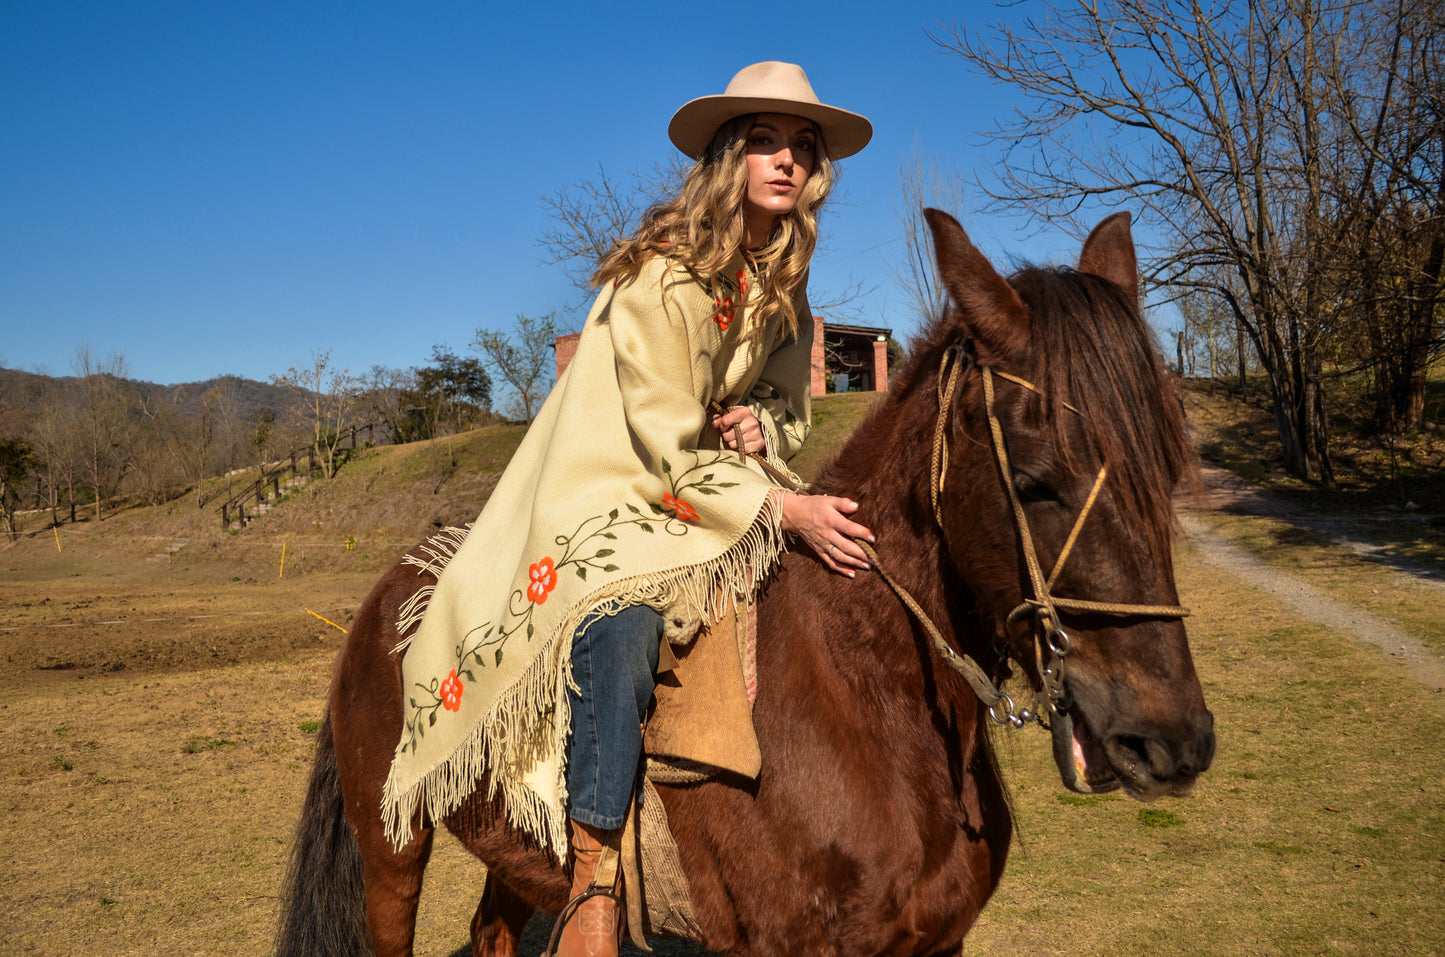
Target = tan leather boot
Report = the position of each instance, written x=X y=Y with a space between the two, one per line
x=595 y=927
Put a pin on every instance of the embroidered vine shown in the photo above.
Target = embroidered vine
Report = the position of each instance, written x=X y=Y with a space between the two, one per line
x=584 y=550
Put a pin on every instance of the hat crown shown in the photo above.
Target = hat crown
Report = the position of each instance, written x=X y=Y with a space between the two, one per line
x=772 y=79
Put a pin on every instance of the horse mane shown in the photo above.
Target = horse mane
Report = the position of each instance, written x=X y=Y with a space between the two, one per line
x=1092 y=350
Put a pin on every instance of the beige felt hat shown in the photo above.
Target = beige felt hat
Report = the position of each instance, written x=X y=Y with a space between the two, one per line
x=769 y=87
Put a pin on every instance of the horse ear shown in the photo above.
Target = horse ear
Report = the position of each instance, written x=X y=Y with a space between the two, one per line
x=991 y=310
x=1109 y=254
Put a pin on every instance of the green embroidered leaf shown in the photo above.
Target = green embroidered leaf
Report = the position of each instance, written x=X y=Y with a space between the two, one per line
x=431 y=719
x=529 y=635
x=499 y=654
x=645 y=527
x=633 y=509
x=467 y=674
x=725 y=485
x=705 y=490
x=667 y=466
x=656 y=509
x=609 y=568
x=612 y=515
x=603 y=552
x=477 y=657
x=707 y=477
x=582 y=572
x=414 y=704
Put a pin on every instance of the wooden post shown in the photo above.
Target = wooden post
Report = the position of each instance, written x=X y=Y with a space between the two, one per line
x=225 y=516
x=240 y=507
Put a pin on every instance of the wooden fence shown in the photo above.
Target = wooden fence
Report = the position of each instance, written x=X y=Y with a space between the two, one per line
x=234 y=508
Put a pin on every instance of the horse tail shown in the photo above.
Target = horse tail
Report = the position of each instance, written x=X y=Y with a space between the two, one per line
x=323 y=902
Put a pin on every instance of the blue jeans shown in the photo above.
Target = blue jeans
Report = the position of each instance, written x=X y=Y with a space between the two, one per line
x=614 y=663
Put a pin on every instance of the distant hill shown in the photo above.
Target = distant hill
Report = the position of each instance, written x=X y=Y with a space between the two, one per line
x=21 y=393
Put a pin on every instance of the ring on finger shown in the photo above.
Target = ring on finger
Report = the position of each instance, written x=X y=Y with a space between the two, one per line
x=831 y=550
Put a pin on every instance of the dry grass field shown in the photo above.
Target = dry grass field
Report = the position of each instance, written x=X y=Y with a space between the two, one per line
x=161 y=683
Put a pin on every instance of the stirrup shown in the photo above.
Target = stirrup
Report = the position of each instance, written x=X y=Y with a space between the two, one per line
x=570 y=911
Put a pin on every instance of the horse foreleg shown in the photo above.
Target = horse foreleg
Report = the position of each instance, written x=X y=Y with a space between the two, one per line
x=499 y=921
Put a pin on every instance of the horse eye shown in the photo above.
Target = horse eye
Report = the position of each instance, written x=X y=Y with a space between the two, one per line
x=1031 y=489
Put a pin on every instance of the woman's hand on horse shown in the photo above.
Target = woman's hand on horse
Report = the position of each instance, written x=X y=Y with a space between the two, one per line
x=740 y=418
x=822 y=521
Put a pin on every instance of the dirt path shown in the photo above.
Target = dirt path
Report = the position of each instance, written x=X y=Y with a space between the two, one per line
x=1226 y=491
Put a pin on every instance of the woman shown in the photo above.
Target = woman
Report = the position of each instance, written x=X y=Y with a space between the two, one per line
x=533 y=662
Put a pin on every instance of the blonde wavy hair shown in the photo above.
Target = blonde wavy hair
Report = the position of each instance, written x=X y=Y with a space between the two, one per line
x=702 y=227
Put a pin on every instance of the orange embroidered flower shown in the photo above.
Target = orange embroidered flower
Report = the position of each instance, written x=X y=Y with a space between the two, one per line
x=725 y=313
x=742 y=284
x=544 y=579
x=452 y=692
x=679 y=508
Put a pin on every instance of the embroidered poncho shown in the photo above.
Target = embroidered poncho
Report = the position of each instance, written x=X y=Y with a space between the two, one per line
x=621 y=493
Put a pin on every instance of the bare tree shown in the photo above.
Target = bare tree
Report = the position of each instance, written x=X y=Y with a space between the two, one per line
x=523 y=359
x=591 y=216
x=1390 y=216
x=1217 y=118
x=231 y=428
x=186 y=442
x=264 y=439
x=324 y=400
x=924 y=184
x=388 y=394
x=105 y=421
x=54 y=434
x=16 y=462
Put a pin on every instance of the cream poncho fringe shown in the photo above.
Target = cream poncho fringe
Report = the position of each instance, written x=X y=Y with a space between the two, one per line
x=620 y=494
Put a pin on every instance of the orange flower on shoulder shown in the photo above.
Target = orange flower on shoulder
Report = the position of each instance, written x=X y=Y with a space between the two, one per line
x=544 y=579
x=725 y=312
x=742 y=284
x=679 y=508
x=452 y=692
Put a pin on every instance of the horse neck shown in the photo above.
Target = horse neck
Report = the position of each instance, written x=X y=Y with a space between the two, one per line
x=885 y=466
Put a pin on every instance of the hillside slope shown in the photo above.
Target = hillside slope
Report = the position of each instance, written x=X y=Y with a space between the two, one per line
x=386 y=496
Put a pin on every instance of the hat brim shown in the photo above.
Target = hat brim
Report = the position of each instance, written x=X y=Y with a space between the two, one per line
x=696 y=123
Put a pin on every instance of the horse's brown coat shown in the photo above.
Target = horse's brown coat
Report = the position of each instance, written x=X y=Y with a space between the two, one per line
x=879 y=824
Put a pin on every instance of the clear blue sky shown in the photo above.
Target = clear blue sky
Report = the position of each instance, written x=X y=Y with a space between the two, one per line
x=210 y=188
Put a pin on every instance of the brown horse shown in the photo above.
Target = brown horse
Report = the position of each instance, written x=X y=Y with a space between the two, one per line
x=879 y=823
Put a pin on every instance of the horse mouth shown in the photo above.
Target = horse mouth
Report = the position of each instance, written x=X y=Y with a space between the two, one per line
x=1080 y=755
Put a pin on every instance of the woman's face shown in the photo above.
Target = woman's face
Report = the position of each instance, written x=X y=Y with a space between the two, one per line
x=781 y=153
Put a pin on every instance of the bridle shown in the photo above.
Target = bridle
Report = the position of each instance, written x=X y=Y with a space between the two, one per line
x=1052 y=643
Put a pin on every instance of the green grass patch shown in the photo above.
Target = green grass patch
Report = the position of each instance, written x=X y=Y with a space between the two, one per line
x=197 y=743
x=1158 y=817
x=1084 y=800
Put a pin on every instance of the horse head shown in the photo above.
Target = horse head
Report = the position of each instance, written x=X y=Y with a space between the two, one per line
x=1059 y=416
